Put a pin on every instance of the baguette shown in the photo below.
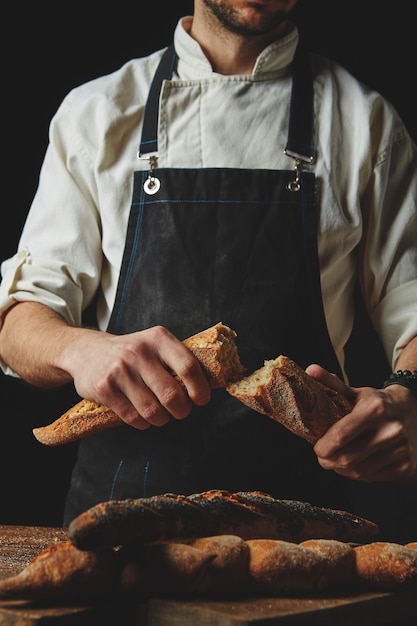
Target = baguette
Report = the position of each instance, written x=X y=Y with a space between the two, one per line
x=211 y=565
x=172 y=517
x=283 y=391
x=214 y=348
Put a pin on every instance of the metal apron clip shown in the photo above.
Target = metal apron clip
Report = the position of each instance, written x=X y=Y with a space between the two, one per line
x=148 y=148
x=295 y=185
x=152 y=184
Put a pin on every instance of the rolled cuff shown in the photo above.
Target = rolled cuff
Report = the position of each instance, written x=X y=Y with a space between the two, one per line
x=395 y=319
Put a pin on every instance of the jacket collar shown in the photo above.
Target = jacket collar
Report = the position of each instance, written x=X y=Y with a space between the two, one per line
x=193 y=64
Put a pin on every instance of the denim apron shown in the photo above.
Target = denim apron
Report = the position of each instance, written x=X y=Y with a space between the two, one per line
x=208 y=245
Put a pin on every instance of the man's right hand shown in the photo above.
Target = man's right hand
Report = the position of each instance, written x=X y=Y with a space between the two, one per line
x=133 y=374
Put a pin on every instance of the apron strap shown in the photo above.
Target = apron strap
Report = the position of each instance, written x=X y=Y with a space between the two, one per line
x=300 y=134
x=149 y=140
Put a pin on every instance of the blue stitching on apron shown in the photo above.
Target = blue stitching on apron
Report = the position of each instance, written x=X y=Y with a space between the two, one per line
x=149 y=141
x=145 y=479
x=217 y=201
x=116 y=475
x=119 y=467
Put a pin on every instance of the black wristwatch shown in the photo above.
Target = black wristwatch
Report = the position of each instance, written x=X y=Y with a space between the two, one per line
x=405 y=378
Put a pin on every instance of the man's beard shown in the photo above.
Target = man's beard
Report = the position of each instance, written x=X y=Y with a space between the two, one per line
x=230 y=19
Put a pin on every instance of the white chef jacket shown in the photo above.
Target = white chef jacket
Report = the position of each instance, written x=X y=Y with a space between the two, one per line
x=365 y=163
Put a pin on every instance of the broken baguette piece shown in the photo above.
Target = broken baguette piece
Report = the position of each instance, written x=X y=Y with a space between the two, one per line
x=214 y=348
x=283 y=391
x=216 y=351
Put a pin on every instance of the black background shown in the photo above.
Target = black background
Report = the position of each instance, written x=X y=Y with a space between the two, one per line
x=46 y=55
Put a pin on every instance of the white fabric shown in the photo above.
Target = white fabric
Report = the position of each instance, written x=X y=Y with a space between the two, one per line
x=366 y=168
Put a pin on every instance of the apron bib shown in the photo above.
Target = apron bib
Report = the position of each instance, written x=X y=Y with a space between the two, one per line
x=208 y=245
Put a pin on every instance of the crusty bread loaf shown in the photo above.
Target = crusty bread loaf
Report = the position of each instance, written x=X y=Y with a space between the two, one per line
x=169 y=516
x=220 y=564
x=217 y=354
x=386 y=566
x=283 y=391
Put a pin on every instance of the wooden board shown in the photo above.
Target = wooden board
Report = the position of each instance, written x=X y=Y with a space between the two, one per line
x=370 y=609
x=20 y=544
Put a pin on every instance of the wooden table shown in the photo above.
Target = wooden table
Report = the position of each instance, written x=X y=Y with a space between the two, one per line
x=20 y=544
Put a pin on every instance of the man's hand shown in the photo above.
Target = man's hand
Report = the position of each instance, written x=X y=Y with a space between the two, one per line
x=377 y=441
x=133 y=374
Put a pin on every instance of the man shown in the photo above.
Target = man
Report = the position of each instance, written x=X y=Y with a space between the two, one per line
x=261 y=195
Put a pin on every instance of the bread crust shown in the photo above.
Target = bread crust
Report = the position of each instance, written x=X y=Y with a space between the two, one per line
x=338 y=570
x=386 y=566
x=172 y=568
x=229 y=563
x=83 y=419
x=283 y=568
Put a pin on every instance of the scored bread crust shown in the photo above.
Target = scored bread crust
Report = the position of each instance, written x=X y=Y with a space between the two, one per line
x=247 y=514
x=283 y=391
x=214 y=348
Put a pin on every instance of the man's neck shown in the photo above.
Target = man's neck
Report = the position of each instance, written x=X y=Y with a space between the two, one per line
x=230 y=53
